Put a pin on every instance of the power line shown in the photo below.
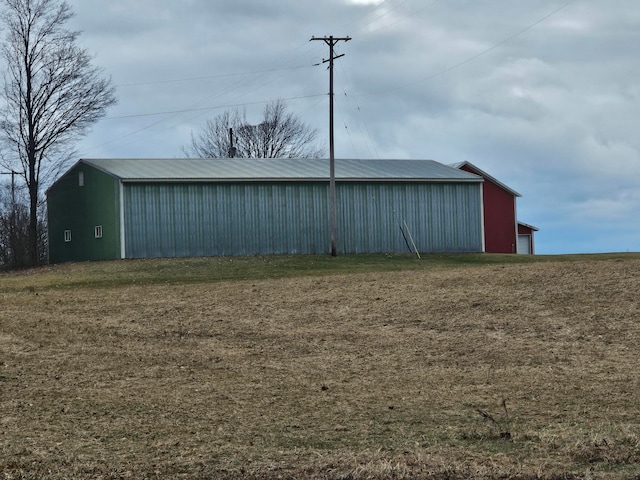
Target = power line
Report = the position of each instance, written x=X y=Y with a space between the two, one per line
x=474 y=57
x=360 y=120
x=390 y=10
x=346 y=129
x=188 y=110
x=193 y=108
x=399 y=20
x=210 y=77
x=175 y=112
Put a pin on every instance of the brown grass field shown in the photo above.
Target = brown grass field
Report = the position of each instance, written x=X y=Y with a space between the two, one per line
x=485 y=368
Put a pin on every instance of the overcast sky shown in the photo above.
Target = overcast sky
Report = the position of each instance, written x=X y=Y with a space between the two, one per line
x=544 y=95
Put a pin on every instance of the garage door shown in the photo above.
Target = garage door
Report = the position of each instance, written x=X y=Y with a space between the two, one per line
x=524 y=244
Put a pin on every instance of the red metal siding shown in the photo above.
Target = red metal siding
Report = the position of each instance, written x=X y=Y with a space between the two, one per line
x=499 y=217
x=524 y=230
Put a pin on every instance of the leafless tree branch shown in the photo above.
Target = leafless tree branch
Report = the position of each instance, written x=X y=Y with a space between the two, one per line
x=280 y=135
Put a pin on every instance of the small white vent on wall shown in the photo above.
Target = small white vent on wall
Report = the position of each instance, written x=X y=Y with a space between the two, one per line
x=98 y=231
x=81 y=179
x=67 y=235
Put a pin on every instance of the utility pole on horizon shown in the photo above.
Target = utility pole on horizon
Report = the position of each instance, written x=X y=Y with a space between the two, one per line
x=331 y=41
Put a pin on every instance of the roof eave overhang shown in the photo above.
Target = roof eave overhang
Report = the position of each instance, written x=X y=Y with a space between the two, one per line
x=479 y=171
x=526 y=225
x=306 y=180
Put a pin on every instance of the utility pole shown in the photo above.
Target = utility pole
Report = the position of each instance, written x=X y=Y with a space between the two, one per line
x=331 y=42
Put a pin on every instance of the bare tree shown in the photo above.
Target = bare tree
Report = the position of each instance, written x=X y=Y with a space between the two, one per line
x=52 y=95
x=281 y=134
x=213 y=139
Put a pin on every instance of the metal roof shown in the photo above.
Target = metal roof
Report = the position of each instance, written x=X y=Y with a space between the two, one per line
x=484 y=174
x=526 y=225
x=198 y=169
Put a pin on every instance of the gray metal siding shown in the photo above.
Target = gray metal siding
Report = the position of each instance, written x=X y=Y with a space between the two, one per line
x=440 y=217
x=201 y=219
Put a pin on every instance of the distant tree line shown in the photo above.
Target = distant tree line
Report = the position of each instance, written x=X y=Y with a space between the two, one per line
x=14 y=229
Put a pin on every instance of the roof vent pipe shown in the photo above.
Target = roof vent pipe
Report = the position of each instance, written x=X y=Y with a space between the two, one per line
x=232 y=149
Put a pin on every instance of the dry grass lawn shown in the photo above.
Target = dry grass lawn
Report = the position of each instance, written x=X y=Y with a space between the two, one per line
x=480 y=371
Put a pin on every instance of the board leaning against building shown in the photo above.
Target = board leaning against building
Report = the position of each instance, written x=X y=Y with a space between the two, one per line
x=137 y=208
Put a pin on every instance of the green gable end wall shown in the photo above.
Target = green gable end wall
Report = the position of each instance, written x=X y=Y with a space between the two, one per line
x=79 y=209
